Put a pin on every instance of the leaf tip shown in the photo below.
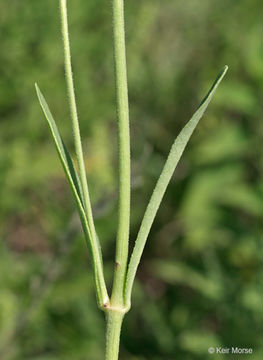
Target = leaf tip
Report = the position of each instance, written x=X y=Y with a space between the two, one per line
x=224 y=70
x=37 y=88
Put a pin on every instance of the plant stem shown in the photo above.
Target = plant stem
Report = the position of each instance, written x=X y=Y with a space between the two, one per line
x=124 y=153
x=116 y=311
x=114 y=322
x=94 y=243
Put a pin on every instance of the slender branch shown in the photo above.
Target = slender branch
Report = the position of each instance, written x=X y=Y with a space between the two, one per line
x=95 y=246
x=161 y=186
x=124 y=152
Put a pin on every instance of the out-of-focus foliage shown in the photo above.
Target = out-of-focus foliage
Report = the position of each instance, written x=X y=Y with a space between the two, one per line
x=201 y=280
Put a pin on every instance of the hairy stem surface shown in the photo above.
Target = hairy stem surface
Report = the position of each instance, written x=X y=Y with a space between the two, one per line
x=114 y=321
x=124 y=152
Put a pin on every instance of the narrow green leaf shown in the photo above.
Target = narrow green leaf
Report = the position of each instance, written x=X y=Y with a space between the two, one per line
x=73 y=179
x=162 y=183
x=63 y=153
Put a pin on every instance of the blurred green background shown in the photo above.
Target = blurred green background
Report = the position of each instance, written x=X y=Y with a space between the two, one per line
x=201 y=280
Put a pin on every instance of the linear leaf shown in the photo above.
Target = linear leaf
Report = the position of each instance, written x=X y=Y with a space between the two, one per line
x=76 y=188
x=162 y=183
x=63 y=153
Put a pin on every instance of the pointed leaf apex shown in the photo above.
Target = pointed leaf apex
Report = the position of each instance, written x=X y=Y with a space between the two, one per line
x=224 y=70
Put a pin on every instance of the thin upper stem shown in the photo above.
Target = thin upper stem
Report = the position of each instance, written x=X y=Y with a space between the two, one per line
x=95 y=246
x=124 y=151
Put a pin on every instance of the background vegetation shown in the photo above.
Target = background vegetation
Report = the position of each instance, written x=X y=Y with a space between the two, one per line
x=201 y=281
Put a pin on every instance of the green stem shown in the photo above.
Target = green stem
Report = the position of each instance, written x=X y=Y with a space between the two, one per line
x=124 y=153
x=114 y=321
x=116 y=310
x=95 y=246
